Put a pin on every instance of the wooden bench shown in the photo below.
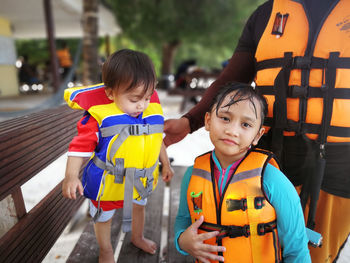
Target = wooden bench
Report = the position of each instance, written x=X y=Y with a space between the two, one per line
x=29 y=144
x=197 y=83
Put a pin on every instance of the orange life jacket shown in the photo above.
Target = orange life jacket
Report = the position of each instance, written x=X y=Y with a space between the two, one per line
x=243 y=215
x=306 y=77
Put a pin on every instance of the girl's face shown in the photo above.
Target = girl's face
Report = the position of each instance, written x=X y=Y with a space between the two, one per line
x=132 y=102
x=234 y=129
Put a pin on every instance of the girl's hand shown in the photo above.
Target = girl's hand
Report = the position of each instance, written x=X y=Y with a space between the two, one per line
x=192 y=242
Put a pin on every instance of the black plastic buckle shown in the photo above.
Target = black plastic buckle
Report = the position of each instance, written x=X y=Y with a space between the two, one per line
x=261 y=229
x=246 y=230
x=139 y=129
x=237 y=231
x=259 y=202
x=298 y=91
x=302 y=62
x=234 y=204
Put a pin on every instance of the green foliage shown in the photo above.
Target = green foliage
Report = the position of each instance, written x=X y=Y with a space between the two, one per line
x=207 y=30
x=162 y=21
x=37 y=50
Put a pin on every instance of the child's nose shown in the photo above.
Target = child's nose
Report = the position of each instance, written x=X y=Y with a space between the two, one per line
x=232 y=130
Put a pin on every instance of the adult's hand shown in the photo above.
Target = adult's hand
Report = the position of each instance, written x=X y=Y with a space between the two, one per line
x=175 y=130
x=192 y=242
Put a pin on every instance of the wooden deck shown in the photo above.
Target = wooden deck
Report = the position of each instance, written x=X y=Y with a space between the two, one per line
x=159 y=224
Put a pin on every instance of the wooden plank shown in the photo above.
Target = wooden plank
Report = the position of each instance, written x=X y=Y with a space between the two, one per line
x=27 y=240
x=36 y=134
x=43 y=143
x=22 y=125
x=173 y=256
x=86 y=249
x=153 y=222
x=24 y=173
x=19 y=202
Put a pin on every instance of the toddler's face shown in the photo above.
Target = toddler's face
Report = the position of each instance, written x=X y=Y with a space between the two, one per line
x=234 y=129
x=132 y=102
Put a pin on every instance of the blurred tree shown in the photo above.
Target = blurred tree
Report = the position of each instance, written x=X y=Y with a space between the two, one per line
x=90 y=42
x=170 y=23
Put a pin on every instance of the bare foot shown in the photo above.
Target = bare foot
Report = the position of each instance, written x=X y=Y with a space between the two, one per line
x=106 y=256
x=145 y=244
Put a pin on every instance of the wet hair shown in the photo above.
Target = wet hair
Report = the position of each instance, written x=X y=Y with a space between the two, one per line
x=243 y=92
x=129 y=68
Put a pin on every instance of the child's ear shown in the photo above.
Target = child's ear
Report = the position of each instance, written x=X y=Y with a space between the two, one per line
x=109 y=93
x=258 y=136
x=207 y=121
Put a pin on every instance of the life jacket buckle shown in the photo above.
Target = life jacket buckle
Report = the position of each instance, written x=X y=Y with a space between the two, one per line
x=237 y=231
x=259 y=202
x=302 y=62
x=264 y=228
x=234 y=204
x=246 y=231
x=139 y=129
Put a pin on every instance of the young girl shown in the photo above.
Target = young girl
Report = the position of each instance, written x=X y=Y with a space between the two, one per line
x=235 y=204
x=122 y=133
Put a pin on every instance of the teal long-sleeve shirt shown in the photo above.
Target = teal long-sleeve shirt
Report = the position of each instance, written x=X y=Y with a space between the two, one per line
x=283 y=197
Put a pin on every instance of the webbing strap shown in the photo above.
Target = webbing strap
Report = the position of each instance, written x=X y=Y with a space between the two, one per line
x=142 y=173
x=233 y=231
x=280 y=104
x=132 y=179
x=133 y=129
x=299 y=62
x=296 y=91
x=128 y=196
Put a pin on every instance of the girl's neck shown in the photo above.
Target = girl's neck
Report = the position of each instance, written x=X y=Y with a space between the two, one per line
x=226 y=161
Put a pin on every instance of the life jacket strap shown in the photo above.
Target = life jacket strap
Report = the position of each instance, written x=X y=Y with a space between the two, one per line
x=233 y=231
x=132 y=129
x=132 y=179
x=300 y=62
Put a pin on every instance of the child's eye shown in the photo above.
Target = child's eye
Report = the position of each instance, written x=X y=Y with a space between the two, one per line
x=246 y=125
x=224 y=118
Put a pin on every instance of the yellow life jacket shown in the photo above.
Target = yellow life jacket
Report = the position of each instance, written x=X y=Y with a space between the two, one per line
x=126 y=156
x=306 y=77
x=243 y=215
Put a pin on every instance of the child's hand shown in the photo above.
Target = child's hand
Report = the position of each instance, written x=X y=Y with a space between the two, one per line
x=167 y=173
x=192 y=242
x=70 y=186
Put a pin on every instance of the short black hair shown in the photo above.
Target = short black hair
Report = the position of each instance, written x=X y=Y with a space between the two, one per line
x=243 y=92
x=129 y=67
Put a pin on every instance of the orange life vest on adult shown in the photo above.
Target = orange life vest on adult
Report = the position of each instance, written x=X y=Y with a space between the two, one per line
x=245 y=219
x=306 y=77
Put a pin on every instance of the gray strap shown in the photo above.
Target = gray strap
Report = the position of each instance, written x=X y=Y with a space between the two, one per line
x=134 y=129
x=141 y=173
x=117 y=170
x=128 y=197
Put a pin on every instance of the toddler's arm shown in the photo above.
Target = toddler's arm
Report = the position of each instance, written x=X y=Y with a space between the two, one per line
x=71 y=182
x=167 y=171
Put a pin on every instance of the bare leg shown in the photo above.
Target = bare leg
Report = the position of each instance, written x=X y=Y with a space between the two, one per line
x=137 y=238
x=103 y=236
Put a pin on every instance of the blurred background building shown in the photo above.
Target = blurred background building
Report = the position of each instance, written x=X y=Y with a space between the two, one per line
x=28 y=19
